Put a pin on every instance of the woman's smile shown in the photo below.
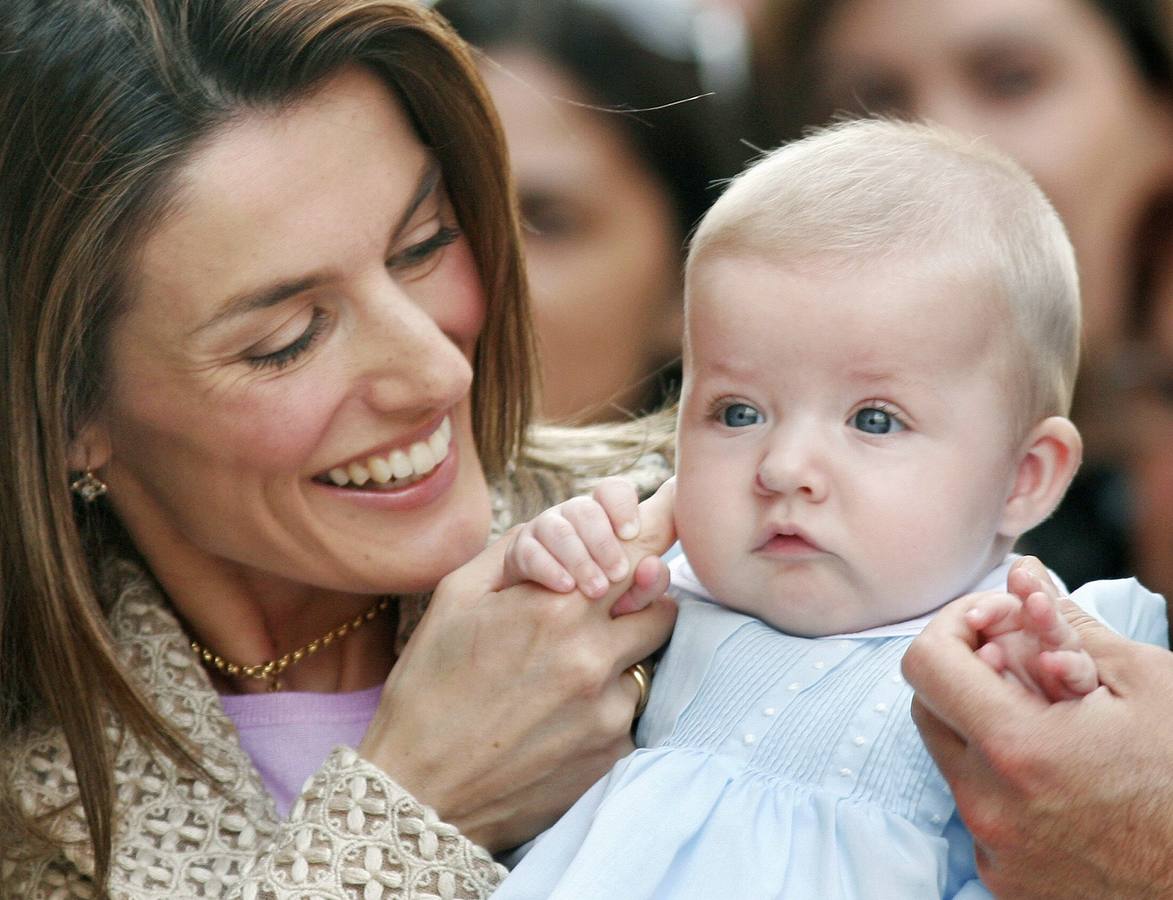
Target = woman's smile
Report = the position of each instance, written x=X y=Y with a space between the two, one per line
x=395 y=468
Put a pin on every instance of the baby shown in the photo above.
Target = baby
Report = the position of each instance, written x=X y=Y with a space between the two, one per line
x=882 y=329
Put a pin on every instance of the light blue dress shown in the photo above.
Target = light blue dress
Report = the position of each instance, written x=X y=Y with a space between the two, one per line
x=775 y=766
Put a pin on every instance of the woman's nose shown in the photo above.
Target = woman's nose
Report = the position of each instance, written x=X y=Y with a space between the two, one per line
x=951 y=104
x=794 y=465
x=409 y=362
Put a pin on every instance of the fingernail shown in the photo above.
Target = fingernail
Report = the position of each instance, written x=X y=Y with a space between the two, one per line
x=596 y=587
x=629 y=530
x=618 y=571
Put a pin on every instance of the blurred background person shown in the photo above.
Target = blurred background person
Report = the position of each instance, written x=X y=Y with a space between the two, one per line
x=1079 y=92
x=613 y=164
x=1147 y=372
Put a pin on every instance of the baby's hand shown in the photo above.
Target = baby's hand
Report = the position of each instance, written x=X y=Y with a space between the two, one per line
x=577 y=543
x=1029 y=641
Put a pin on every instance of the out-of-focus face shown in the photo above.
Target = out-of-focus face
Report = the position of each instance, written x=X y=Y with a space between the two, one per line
x=845 y=449
x=603 y=246
x=1151 y=424
x=1048 y=81
x=290 y=404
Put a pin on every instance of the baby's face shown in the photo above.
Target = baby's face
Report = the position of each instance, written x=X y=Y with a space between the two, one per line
x=845 y=443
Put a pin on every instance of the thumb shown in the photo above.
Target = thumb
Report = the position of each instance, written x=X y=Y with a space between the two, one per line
x=657 y=522
x=484 y=573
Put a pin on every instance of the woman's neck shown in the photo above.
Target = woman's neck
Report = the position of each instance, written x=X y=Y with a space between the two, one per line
x=249 y=619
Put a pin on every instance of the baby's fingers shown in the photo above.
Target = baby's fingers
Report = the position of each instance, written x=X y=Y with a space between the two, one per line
x=992 y=655
x=1043 y=619
x=580 y=538
x=597 y=534
x=528 y=560
x=1068 y=674
x=650 y=582
x=993 y=613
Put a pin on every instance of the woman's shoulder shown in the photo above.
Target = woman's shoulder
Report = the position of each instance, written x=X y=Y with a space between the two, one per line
x=560 y=461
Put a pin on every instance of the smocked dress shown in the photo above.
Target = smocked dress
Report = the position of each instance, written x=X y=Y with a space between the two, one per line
x=779 y=766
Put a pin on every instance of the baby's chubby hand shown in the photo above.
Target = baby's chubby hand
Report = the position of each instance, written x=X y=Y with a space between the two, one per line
x=1024 y=636
x=581 y=544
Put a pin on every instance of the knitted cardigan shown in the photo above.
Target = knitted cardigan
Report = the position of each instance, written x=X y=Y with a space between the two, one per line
x=353 y=833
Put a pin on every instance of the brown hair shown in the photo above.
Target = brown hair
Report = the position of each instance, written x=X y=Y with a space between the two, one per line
x=101 y=103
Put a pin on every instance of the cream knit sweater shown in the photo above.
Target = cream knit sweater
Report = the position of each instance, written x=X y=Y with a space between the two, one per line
x=353 y=833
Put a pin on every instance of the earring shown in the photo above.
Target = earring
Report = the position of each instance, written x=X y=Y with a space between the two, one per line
x=89 y=487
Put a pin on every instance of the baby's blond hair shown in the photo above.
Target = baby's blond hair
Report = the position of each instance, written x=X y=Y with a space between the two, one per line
x=875 y=190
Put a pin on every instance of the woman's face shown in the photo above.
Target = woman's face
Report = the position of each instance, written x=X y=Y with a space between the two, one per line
x=1151 y=426
x=1048 y=81
x=603 y=246
x=302 y=320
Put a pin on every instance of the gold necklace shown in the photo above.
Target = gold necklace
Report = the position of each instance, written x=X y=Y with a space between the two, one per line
x=271 y=670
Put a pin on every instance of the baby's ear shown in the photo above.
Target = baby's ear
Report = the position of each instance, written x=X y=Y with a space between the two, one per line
x=1047 y=462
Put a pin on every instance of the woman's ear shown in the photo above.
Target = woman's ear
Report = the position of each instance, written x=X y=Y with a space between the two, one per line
x=1047 y=462
x=90 y=450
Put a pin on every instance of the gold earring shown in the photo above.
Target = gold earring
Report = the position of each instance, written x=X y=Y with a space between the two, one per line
x=89 y=487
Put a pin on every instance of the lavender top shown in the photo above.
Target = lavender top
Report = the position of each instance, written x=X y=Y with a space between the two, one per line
x=289 y=735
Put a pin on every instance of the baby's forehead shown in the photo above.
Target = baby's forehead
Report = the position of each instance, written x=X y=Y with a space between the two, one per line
x=897 y=319
x=942 y=283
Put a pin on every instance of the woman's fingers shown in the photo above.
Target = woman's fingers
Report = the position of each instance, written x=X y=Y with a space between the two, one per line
x=620 y=501
x=535 y=702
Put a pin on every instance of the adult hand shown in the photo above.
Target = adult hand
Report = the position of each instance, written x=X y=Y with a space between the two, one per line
x=507 y=704
x=1068 y=799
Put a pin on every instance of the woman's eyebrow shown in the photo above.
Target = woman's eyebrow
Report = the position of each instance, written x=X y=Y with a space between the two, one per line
x=425 y=187
x=272 y=294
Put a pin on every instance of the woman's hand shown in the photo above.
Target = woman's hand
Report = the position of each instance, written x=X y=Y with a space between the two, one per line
x=1070 y=799
x=506 y=705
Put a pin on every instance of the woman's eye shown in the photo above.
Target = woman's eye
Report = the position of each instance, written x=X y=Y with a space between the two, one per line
x=873 y=94
x=550 y=218
x=738 y=415
x=1011 y=82
x=425 y=250
x=1010 y=73
x=874 y=420
x=279 y=359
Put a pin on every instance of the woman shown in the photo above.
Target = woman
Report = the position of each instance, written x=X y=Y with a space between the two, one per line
x=615 y=150
x=261 y=299
x=1079 y=92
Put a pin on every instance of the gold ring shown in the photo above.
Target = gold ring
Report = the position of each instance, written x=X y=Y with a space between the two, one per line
x=642 y=673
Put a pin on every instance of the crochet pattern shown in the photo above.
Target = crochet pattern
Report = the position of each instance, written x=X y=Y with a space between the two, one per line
x=353 y=833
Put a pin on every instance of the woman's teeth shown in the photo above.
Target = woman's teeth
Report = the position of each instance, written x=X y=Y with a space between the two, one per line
x=398 y=467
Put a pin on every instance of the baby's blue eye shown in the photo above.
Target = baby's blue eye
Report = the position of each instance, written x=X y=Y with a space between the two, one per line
x=876 y=421
x=738 y=415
